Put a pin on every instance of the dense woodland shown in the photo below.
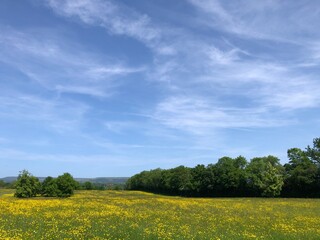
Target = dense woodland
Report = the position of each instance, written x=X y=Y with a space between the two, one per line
x=236 y=177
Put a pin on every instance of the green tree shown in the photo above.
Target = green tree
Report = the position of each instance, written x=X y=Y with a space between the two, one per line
x=27 y=185
x=314 y=152
x=301 y=174
x=272 y=181
x=66 y=185
x=230 y=176
x=138 y=181
x=210 y=179
x=199 y=179
x=178 y=180
x=49 y=187
x=2 y=184
x=88 y=185
x=265 y=176
x=153 y=180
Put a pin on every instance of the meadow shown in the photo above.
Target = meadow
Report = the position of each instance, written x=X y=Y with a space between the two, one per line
x=139 y=215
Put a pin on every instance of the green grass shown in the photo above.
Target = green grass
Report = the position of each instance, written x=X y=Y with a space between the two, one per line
x=138 y=215
x=6 y=191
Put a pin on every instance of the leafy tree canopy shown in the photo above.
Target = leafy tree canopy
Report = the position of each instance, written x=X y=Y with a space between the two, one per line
x=27 y=185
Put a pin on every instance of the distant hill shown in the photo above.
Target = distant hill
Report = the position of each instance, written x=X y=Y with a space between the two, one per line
x=103 y=180
x=8 y=179
x=113 y=180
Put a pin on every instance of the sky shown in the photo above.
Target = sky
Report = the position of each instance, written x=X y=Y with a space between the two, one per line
x=103 y=88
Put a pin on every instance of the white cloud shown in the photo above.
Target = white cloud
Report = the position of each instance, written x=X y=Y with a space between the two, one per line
x=217 y=56
x=115 y=18
x=218 y=15
x=164 y=71
x=265 y=83
x=19 y=155
x=49 y=113
x=195 y=64
x=285 y=21
x=293 y=93
x=120 y=126
x=220 y=18
x=315 y=51
x=58 y=66
x=200 y=116
x=92 y=91
x=99 y=72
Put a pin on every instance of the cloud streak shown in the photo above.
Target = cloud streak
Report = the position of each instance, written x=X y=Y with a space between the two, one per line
x=220 y=66
x=200 y=116
x=53 y=114
x=252 y=19
x=117 y=19
x=58 y=68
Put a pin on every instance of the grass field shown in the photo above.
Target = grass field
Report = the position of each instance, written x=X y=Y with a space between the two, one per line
x=138 y=215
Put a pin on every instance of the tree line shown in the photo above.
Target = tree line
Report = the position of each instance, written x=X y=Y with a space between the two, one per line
x=6 y=185
x=236 y=177
x=28 y=186
x=87 y=185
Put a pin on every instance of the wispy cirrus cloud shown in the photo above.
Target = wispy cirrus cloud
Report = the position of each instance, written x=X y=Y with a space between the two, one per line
x=116 y=19
x=60 y=67
x=61 y=116
x=219 y=16
x=200 y=116
x=95 y=91
x=314 y=53
x=217 y=66
x=260 y=20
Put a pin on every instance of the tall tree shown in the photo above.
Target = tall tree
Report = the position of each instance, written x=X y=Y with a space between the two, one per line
x=179 y=180
x=301 y=174
x=199 y=180
x=49 y=187
x=265 y=176
x=66 y=185
x=314 y=152
x=27 y=185
x=230 y=176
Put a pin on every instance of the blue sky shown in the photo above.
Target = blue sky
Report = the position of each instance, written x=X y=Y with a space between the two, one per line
x=111 y=88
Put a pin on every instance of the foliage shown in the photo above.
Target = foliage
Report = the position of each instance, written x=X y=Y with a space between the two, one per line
x=265 y=176
x=231 y=174
x=7 y=185
x=88 y=185
x=66 y=185
x=228 y=177
x=49 y=187
x=314 y=152
x=302 y=172
x=202 y=180
x=27 y=185
x=262 y=176
x=179 y=180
